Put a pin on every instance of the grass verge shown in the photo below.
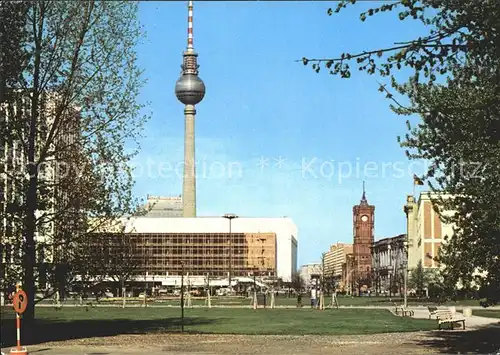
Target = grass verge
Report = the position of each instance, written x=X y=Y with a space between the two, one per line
x=490 y=313
x=76 y=323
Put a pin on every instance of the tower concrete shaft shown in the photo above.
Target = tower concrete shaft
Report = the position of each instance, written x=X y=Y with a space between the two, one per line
x=189 y=178
x=189 y=90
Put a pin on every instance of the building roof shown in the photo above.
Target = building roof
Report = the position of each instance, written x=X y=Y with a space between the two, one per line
x=390 y=240
x=340 y=245
x=428 y=195
x=310 y=265
x=163 y=206
x=280 y=226
x=363 y=201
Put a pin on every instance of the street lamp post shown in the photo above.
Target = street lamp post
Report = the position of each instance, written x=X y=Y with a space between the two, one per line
x=405 y=273
x=390 y=270
x=377 y=272
x=209 y=301
x=377 y=281
x=350 y=276
x=182 y=296
x=407 y=210
x=254 y=289
x=322 y=291
x=358 y=277
x=230 y=217
x=145 y=274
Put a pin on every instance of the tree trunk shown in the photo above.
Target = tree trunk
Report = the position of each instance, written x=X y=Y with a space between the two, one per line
x=29 y=252
x=124 y=293
x=31 y=198
x=30 y=228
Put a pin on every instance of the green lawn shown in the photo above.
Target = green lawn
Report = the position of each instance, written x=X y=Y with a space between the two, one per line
x=70 y=323
x=304 y=321
x=491 y=313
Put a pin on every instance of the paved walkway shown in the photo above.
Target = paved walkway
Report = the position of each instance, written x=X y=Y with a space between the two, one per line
x=473 y=322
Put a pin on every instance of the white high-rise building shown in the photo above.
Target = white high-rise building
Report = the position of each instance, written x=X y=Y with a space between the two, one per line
x=163 y=206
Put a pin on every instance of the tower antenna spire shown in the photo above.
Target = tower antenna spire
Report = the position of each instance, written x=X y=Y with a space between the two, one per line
x=190 y=46
x=363 y=197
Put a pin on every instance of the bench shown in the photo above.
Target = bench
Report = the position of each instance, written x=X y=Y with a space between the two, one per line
x=446 y=316
x=407 y=312
x=432 y=311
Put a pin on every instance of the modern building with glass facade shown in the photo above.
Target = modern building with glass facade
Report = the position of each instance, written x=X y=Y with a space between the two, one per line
x=164 y=248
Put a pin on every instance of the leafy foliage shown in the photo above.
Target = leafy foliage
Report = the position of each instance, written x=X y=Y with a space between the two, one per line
x=329 y=284
x=418 y=278
x=121 y=255
x=460 y=128
x=459 y=136
x=298 y=283
x=12 y=33
x=456 y=29
x=71 y=112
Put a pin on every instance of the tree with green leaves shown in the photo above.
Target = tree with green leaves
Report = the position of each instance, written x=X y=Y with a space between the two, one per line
x=418 y=279
x=12 y=36
x=297 y=283
x=455 y=89
x=73 y=110
x=458 y=30
x=122 y=259
x=329 y=283
x=463 y=148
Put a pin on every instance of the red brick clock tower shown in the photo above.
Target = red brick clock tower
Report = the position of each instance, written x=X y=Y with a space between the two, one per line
x=363 y=227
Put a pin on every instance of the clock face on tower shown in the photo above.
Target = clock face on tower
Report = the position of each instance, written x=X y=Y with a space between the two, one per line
x=364 y=218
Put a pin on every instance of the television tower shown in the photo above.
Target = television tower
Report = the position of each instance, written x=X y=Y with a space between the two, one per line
x=189 y=90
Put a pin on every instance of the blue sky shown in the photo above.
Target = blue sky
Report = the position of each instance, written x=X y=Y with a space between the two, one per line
x=262 y=106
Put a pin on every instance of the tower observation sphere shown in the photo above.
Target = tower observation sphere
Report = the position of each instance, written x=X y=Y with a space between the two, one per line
x=189 y=89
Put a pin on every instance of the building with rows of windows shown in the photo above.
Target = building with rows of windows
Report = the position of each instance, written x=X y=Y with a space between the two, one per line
x=165 y=248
